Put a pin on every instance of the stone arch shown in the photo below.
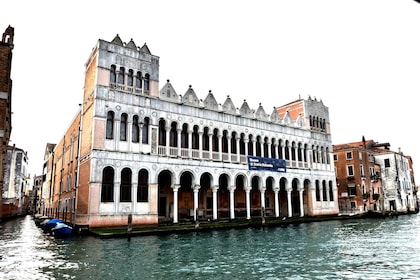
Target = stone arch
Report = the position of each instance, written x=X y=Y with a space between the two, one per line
x=240 y=195
x=283 y=185
x=205 y=196
x=295 y=200
x=185 y=195
x=165 y=179
x=269 y=195
x=255 y=195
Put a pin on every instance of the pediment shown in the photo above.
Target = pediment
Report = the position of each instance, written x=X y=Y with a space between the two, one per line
x=117 y=40
x=210 y=102
x=245 y=111
x=190 y=98
x=275 y=117
x=229 y=107
x=131 y=45
x=145 y=49
x=168 y=92
x=287 y=119
x=260 y=113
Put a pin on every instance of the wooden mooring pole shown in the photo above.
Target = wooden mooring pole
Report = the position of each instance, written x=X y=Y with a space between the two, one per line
x=130 y=226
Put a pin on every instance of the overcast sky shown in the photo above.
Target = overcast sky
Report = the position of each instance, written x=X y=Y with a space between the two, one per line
x=360 y=57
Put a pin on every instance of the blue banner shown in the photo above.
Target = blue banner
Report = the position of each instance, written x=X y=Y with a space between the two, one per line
x=269 y=164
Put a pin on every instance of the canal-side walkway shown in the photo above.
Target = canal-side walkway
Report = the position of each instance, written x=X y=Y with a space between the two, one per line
x=183 y=227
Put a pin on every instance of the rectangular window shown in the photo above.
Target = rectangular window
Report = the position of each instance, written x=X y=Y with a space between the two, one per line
x=387 y=163
x=350 y=170
x=360 y=155
x=362 y=171
x=335 y=157
x=351 y=190
x=349 y=155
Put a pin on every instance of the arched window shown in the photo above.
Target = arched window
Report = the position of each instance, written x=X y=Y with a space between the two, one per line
x=184 y=136
x=121 y=76
x=242 y=144
x=324 y=191
x=123 y=127
x=195 y=138
x=286 y=151
x=233 y=147
x=317 y=191
x=130 y=78
x=251 y=145
x=327 y=154
x=266 y=142
x=110 y=125
x=299 y=151
x=206 y=143
x=138 y=80
x=162 y=132
x=258 y=146
x=293 y=150
x=273 y=148
x=147 y=82
x=225 y=141
x=280 y=149
x=135 y=130
x=107 y=189
x=143 y=186
x=330 y=188
x=145 y=131
x=215 y=140
x=125 y=187
x=173 y=135
x=113 y=74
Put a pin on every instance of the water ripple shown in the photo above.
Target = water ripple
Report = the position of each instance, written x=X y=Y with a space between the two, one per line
x=349 y=249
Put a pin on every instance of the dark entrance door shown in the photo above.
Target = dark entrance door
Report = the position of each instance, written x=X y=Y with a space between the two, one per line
x=162 y=206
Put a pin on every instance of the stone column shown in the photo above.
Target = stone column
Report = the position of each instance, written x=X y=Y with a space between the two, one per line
x=276 y=202
x=219 y=139
x=141 y=137
x=248 y=202
x=232 y=201
x=301 y=202
x=200 y=143
x=168 y=139
x=214 y=189
x=289 y=202
x=229 y=138
x=196 y=189
x=190 y=143
x=175 y=188
x=210 y=145
x=179 y=144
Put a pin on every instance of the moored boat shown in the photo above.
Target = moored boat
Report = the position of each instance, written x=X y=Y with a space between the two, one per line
x=50 y=224
x=62 y=230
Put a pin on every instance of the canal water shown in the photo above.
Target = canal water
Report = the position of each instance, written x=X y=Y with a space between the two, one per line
x=384 y=248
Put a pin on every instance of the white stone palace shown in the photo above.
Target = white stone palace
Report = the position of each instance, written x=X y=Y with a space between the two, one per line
x=162 y=157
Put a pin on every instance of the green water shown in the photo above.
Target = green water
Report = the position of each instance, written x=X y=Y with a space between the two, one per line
x=350 y=249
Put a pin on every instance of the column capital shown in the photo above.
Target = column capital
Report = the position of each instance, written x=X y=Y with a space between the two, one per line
x=214 y=188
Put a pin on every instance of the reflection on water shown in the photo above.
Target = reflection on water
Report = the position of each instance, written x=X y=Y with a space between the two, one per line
x=350 y=249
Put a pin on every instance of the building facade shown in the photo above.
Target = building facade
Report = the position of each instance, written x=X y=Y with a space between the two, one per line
x=397 y=182
x=16 y=182
x=6 y=52
x=161 y=157
x=371 y=177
